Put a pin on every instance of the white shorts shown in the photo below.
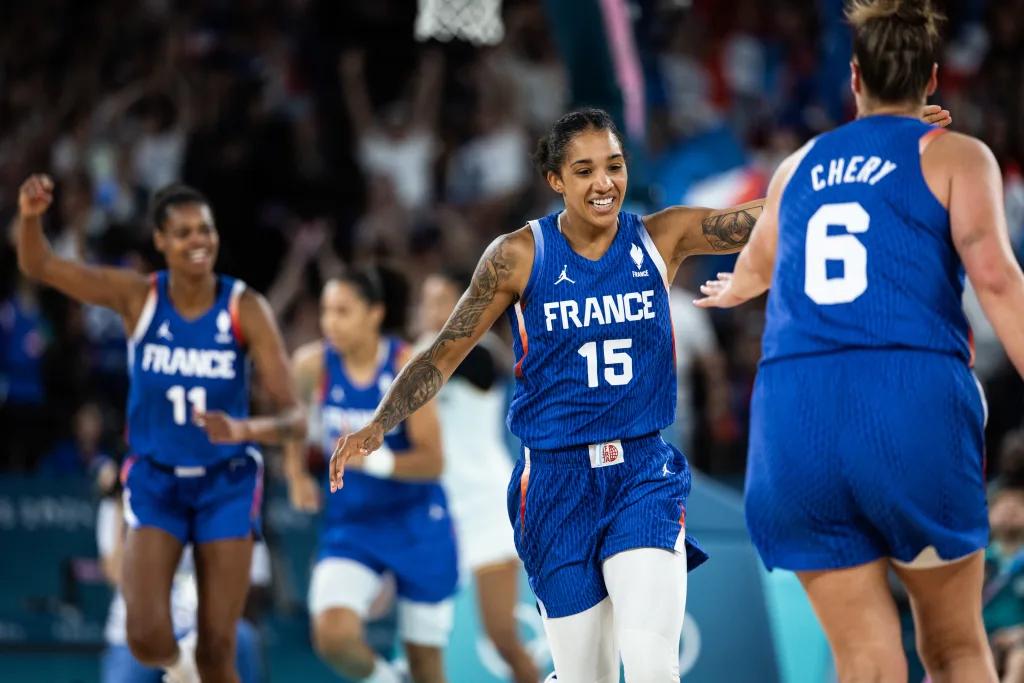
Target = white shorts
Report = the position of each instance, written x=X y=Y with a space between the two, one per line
x=483 y=533
x=344 y=583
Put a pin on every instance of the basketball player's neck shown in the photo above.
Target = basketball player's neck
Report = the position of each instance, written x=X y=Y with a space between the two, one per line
x=868 y=106
x=191 y=293
x=584 y=237
x=363 y=356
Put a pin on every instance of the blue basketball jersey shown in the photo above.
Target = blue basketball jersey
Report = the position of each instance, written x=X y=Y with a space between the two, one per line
x=865 y=257
x=346 y=407
x=593 y=341
x=179 y=366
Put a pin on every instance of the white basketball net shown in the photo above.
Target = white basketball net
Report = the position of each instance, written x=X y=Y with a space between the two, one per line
x=475 y=21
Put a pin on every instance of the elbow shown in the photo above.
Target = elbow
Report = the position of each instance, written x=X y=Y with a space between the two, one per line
x=436 y=468
x=433 y=468
x=31 y=268
x=997 y=280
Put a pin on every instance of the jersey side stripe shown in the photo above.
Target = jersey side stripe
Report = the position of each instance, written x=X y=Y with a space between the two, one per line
x=236 y=319
x=522 y=337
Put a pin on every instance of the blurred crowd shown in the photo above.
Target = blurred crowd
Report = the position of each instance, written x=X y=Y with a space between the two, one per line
x=325 y=135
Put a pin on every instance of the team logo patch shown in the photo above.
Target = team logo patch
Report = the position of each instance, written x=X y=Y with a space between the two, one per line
x=223 y=328
x=637 y=254
x=606 y=454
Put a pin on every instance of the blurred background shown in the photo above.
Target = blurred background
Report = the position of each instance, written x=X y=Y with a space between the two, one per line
x=331 y=132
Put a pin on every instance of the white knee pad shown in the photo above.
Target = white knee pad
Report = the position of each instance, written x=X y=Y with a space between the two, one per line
x=340 y=582
x=426 y=623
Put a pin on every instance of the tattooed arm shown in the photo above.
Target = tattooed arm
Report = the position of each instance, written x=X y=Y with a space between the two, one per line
x=497 y=282
x=681 y=231
x=753 y=273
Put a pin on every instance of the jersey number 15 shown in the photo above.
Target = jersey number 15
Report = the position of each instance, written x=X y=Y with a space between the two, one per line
x=618 y=365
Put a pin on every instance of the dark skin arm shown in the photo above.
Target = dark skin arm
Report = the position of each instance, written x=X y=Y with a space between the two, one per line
x=267 y=352
x=497 y=283
x=119 y=289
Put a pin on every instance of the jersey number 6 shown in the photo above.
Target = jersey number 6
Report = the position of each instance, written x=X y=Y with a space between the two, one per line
x=821 y=248
x=618 y=364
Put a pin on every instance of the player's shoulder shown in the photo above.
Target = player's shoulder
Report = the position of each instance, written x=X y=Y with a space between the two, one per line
x=958 y=148
x=508 y=261
x=308 y=357
x=517 y=244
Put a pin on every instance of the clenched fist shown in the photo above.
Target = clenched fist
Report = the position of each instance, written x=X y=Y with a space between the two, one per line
x=35 y=195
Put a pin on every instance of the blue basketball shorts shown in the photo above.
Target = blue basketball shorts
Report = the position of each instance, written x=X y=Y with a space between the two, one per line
x=417 y=546
x=196 y=504
x=865 y=454
x=573 y=508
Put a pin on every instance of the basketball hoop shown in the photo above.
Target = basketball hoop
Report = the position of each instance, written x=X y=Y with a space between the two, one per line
x=475 y=21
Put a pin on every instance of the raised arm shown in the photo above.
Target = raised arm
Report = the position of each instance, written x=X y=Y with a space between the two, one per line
x=681 y=231
x=426 y=100
x=120 y=289
x=352 y=71
x=500 y=277
x=978 y=226
x=753 y=273
x=267 y=351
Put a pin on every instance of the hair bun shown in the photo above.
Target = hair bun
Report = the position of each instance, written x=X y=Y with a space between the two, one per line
x=914 y=12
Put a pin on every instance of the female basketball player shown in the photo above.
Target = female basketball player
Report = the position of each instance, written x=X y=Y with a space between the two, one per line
x=193 y=478
x=471 y=407
x=866 y=422
x=394 y=518
x=597 y=498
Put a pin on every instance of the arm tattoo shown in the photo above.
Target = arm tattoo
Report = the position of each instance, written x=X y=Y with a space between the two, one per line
x=421 y=379
x=728 y=231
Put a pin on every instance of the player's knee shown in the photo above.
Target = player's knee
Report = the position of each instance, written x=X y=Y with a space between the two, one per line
x=871 y=663
x=939 y=648
x=502 y=632
x=336 y=636
x=150 y=640
x=215 y=651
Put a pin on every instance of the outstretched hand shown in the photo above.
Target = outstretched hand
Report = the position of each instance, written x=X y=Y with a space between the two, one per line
x=35 y=195
x=362 y=443
x=936 y=115
x=718 y=293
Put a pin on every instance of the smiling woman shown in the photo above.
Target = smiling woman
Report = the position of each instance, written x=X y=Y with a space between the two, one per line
x=586 y=293
x=191 y=335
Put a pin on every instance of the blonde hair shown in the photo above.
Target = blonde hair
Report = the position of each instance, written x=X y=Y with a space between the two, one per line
x=895 y=43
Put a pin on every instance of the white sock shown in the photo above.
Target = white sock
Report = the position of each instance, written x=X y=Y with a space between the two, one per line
x=383 y=672
x=184 y=669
